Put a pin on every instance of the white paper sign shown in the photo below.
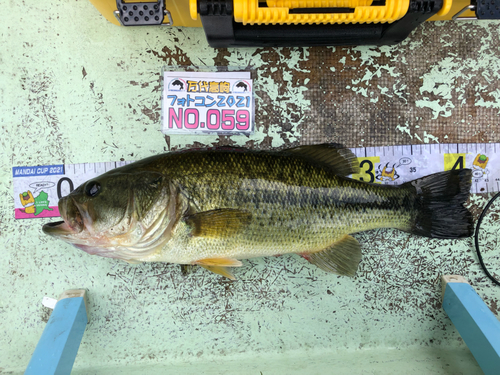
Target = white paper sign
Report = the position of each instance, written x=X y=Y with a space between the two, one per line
x=207 y=103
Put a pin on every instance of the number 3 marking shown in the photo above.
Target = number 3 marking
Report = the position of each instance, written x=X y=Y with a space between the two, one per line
x=367 y=168
x=367 y=171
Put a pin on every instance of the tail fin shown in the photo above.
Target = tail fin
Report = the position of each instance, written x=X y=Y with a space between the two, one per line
x=440 y=204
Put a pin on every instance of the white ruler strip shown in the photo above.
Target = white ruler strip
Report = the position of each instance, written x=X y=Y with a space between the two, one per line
x=398 y=164
x=38 y=189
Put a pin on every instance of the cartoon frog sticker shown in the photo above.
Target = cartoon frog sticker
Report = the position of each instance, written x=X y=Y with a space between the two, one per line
x=479 y=165
x=34 y=205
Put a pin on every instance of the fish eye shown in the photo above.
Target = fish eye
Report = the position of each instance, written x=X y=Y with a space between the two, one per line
x=92 y=188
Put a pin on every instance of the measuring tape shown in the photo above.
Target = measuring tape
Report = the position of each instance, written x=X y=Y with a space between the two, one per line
x=398 y=164
x=38 y=189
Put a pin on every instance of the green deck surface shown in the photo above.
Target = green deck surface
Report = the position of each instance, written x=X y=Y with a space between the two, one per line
x=76 y=88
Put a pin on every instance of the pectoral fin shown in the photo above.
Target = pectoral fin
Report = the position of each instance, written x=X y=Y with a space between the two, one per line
x=224 y=271
x=222 y=262
x=220 y=266
x=341 y=258
x=218 y=223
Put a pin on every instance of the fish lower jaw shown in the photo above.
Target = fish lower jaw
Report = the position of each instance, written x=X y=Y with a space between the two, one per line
x=156 y=257
x=92 y=250
x=160 y=256
x=60 y=229
x=107 y=252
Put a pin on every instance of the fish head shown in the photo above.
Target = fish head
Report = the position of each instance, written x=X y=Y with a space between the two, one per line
x=111 y=213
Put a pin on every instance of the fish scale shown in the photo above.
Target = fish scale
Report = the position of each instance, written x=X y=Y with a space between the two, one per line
x=310 y=200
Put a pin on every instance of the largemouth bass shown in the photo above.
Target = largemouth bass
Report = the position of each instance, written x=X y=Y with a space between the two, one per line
x=213 y=208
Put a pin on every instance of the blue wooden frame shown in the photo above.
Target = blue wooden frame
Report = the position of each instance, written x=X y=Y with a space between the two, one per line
x=475 y=322
x=58 y=346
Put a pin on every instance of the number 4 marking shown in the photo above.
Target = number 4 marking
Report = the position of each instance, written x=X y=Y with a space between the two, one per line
x=454 y=161
x=459 y=164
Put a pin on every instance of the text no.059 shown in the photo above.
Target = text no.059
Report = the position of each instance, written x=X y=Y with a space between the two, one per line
x=213 y=119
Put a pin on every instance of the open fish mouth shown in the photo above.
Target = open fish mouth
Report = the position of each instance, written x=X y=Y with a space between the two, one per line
x=57 y=228
x=72 y=222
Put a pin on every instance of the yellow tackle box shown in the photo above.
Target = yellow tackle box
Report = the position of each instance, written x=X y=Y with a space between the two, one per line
x=240 y=23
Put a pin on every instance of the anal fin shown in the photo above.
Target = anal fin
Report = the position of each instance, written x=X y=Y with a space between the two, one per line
x=342 y=257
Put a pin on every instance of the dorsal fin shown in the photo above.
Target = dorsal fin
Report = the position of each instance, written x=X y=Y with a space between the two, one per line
x=340 y=159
